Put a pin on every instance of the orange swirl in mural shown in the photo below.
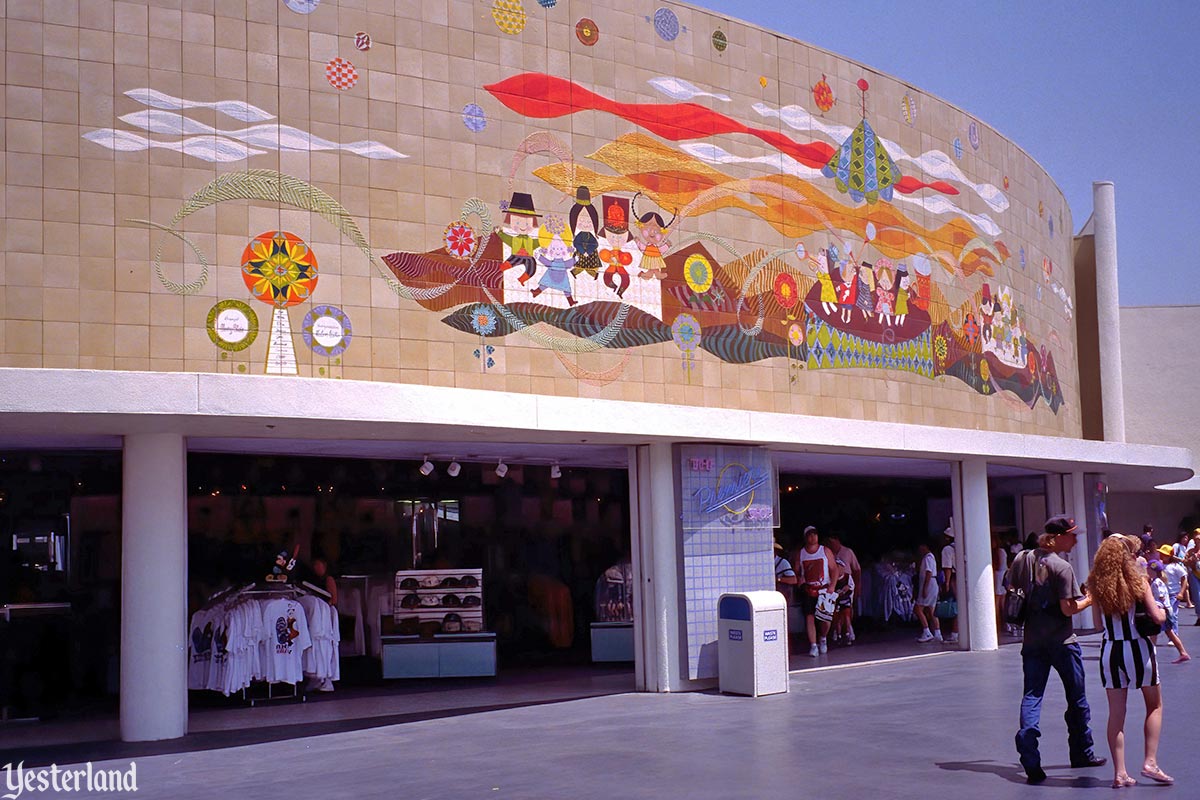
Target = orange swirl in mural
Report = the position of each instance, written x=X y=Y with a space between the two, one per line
x=792 y=206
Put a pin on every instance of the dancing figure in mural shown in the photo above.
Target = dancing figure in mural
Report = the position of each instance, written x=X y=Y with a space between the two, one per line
x=885 y=298
x=585 y=224
x=903 y=284
x=826 y=264
x=616 y=235
x=522 y=221
x=865 y=293
x=651 y=238
x=988 y=309
x=847 y=290
x=556 y=257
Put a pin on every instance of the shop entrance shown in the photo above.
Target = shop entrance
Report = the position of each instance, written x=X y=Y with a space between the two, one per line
x=884 y=510
x=487 y=569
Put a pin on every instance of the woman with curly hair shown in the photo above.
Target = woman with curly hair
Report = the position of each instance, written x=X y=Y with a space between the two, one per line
x=1120 y=589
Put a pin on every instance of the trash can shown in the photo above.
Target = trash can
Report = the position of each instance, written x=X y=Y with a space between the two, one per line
x=752 y=645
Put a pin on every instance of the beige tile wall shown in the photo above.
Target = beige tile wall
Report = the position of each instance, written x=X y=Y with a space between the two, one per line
x=77 y=282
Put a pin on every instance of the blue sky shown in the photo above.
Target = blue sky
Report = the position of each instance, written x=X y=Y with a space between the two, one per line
x=1096 y=91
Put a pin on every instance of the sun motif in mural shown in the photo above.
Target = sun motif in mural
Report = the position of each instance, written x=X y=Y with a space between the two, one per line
x=698 y=273
x=686 y=332
x=795 y=335
x=279 y=269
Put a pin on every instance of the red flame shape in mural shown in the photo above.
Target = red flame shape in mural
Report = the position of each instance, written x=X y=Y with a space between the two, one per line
x=534 y=94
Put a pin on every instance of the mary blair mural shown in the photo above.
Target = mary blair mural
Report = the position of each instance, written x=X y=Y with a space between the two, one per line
x=608 y=250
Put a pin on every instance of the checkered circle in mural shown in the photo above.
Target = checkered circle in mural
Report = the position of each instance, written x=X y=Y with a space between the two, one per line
x=341 y=74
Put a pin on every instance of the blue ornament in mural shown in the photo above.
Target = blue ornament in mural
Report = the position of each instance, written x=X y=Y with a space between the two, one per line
x=547 y=3
x=666 y=24
x=474 y=118
x=1022 y=252
x=958 y=151
x=1051 y=221
x=973 y=135
x=302 y=6
x=871 y=231
x=327 y=331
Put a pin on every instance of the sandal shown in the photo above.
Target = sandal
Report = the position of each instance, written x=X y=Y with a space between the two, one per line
x=1123 y=781
x=1155 y=774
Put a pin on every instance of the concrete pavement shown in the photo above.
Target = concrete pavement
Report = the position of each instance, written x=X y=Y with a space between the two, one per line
x=936 y=726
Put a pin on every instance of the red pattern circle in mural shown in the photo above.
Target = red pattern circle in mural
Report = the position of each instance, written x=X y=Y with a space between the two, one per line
x=340 y=73
x=823 y=94
x=460 y=240
x=279 y=269
x=587 y=31
x=786 y=291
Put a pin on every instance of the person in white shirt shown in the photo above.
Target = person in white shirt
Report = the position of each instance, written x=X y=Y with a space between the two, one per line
x=785 y=576
x=927 y=594
x=847 y=560
x=1174 y=577
x=949 y=585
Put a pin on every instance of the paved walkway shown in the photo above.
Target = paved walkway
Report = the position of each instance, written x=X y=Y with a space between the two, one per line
x=934 y=726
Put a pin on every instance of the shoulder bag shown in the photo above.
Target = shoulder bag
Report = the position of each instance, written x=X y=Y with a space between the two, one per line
x=1144 y=624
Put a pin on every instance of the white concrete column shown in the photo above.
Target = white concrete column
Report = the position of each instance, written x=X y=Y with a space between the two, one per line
x=1108 y=310
x=1055 y=501
x=977 y=584
x=1081 y=557
x=662 y=665
x=154 y=587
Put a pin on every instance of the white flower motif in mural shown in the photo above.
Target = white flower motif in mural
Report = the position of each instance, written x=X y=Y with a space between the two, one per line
x=679 y=89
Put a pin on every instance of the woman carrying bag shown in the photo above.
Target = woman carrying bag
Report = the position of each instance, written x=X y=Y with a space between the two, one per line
x=1120 y=589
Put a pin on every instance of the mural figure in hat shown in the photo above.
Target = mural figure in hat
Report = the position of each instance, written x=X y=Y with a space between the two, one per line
x=585 y=223
x=616 y=234
x=521 y=220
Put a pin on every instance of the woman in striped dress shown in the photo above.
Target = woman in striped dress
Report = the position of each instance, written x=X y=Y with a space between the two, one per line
x=1120 y=589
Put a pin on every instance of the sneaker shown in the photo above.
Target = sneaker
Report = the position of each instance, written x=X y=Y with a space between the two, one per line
x=1088 y=760
x=1034 y=775
x=926 y=636
x=952 y=639
x=937 y=637
x=849 y=640
x=822 y=646
x=814 y=651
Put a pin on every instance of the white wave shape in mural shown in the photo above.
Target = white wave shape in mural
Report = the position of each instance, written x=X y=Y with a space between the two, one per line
x=206 y=148
x=936 y=204
x=679 y=89
x=230 y=108
x=272 y=136
x=934 y=163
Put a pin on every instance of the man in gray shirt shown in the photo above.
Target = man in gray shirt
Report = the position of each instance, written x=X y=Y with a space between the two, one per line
x=1052 y=597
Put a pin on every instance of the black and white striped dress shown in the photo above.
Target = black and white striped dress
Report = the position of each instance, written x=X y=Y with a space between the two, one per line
x=1126 y=659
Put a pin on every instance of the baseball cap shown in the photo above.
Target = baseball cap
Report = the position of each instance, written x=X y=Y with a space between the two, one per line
x=1166 y=550
x=778 y=546
x=949 y=533
x=1154 y=566
x=1060 y=523
x=810 y=529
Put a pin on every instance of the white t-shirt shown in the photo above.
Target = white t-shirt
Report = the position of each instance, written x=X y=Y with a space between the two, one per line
x=1001 y=565
x=1174 y=574
x=287 y=639
x=948 y=557
x=200 y=636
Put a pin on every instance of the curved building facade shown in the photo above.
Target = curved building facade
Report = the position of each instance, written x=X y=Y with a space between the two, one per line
x=464 y=229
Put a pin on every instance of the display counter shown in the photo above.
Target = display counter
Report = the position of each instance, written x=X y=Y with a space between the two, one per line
x=446 y=655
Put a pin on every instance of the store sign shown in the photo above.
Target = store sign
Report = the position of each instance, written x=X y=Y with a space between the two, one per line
x=728 y=488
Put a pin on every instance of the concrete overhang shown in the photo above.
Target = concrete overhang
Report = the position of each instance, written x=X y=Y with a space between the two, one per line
x=62 y=404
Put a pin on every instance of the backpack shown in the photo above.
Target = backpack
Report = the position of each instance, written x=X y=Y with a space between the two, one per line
x=1016 y=606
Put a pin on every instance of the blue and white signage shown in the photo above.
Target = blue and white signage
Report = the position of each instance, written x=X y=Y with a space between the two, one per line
x=728 y=488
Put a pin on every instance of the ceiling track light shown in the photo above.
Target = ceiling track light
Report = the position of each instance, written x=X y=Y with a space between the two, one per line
x=427 y=467
x=501 y=469
x=454 y=469
x=555 y=471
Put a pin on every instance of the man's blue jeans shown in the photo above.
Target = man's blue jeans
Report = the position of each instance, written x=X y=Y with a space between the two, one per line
x=1067 y=661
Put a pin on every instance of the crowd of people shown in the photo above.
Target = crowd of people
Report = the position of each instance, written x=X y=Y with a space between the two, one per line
x=1138 y=589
